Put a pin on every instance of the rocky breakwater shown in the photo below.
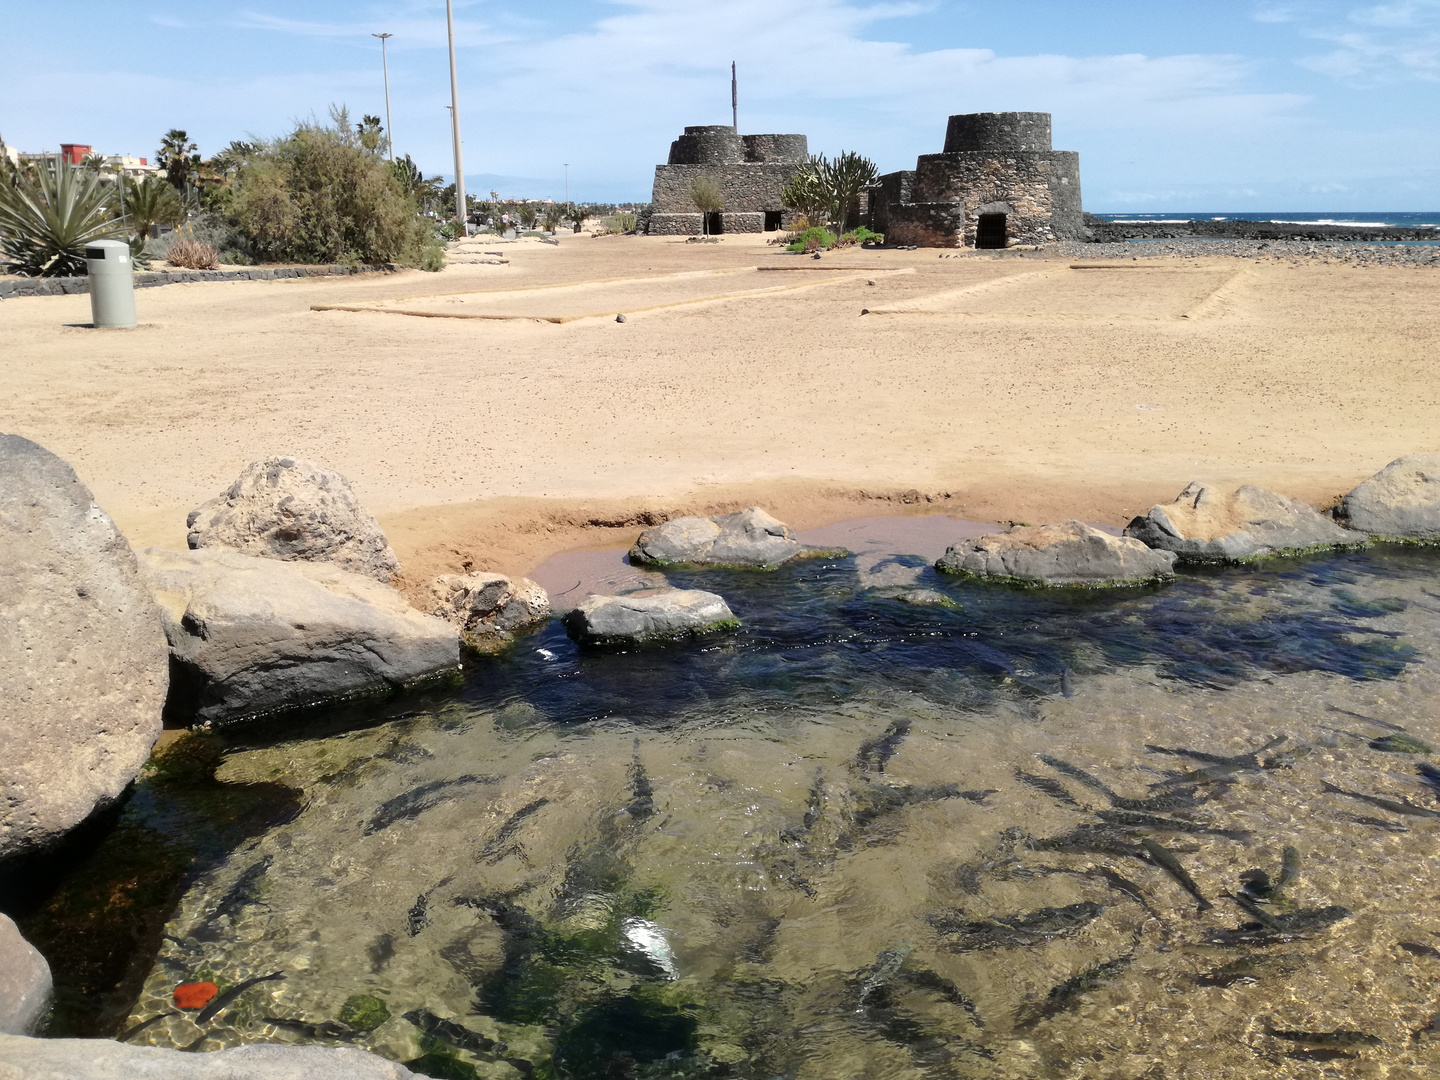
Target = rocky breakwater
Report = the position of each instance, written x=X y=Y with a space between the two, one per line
x=489 y=610
x=1070 y=554
x=294 y=510
x=1400 y=502
x=1204 y=525
x=251 y=636
x=650 y=616
x=749 y=538
x=101 y=1059
x=83 y=670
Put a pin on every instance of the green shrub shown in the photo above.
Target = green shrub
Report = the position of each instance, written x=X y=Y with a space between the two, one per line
x=862 y=235
x=621 y=223
x=812 y=239
x=46 y=221
x=318 y=195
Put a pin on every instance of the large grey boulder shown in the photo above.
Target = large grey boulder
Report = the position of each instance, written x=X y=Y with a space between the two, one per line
x=489 y=610
x=746 y=538
x=83 y=668
x=1207 y=525
x=104 y=1059
x=1069 y=554
x=293 y=510
x=251 y=636
x=24 y=982
x=649 y=616
x=1400 y=502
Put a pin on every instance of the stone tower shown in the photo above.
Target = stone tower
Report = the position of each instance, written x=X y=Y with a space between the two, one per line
x=997 y=184
x=750 y=169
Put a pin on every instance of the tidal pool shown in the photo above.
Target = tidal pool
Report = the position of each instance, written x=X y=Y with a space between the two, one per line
x=1012 y=835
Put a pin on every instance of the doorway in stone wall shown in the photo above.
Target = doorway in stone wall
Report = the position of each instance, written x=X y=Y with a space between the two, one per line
x=772 y=220
x=714 y=223
x=990 y=231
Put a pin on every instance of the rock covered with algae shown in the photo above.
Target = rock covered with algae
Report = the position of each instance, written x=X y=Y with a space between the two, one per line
x=653 y=615
x=746 y=538
x=1072 y=553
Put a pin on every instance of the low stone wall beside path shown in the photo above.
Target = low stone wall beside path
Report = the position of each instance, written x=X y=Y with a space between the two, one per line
x=148 y=279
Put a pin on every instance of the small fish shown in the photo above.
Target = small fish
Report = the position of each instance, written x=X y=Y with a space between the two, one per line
x=1430 y=774
x=875 y=753
x=817 y=799
x=877 y=977
x=925 y=979
x=1373 y=822
x=213 y=1009
x=195 y=1044
x=1289 y=870
x=1067 y=683
x=496 y=849
x=1362 y=716
x=418 y=917
x=1169 y=801
x=1415 y=948
x=1132 y=820
x=126 y=1036
x=1248 y=969
x=1048 y=786
x=1401 y=743
x=878 y=799
x=1100 y=839
x=242 y=893
x=417 y=800
x=1066 y=995
x=1406 y=808
x=1256 y=885
x=326 y=1029
x=1024 y=929
x=642 y=805
x=458 y=1036
x=1076 y=773
x=1342 y=1037
x=1167 y=861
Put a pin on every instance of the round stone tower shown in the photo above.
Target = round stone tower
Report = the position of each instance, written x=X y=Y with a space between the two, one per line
x=710 y=144
x=1027 y=132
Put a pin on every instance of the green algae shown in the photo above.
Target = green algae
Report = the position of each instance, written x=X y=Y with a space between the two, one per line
x=364 y=1012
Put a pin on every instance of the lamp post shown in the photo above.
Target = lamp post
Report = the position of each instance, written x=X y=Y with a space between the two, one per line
x=385 y=67
x=461 y=209
x=567 y=182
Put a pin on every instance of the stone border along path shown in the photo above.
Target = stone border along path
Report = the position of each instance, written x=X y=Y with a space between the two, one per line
x=149 y=279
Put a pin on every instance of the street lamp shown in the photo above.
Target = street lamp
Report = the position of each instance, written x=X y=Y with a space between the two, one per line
x=462 y=211
x=567 y=181
x=385 y=67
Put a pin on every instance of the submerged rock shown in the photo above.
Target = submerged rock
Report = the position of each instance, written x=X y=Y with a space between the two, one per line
x=1400 y=502
x=1070 y=554
x=747 y=538
x=1206 y=525
x=293 y=510
x=83 y=669
x=25 y=982
x=104 y=1059
x=250 y=636
x=649 y=616
x=489 y=610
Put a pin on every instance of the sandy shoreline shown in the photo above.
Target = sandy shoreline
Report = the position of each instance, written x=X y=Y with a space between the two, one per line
x=1020 y=388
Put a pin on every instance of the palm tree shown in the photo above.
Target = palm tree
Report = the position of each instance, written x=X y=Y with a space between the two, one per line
x=96 y=163
x=149 y=203
x=233 y=158
x=177 y=154
x=46 y=220
x=372 y=134
x=411 y=180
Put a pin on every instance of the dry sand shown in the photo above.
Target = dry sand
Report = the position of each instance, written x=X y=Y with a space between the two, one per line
x=992 y=387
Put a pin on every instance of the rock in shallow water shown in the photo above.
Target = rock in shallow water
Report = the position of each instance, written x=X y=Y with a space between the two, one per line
x=1401 y=501
x=24 y=982
x=747 y=538
x=650 y=616
x=1070 y=554
x=1206 y=525
x=489 y=610
x=102 y=1059
x=83 y=669
x=293 y=510
x=250 y=636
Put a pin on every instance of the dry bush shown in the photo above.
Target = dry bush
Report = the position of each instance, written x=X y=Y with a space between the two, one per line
x=192 y=255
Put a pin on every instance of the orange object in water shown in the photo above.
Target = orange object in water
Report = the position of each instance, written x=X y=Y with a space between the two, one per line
x=194 y=995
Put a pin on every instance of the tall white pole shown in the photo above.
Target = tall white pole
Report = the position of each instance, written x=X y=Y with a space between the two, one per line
x=460 y=206
x=385 y=67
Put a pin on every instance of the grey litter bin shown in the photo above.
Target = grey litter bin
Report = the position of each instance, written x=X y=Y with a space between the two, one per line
x=112 y=291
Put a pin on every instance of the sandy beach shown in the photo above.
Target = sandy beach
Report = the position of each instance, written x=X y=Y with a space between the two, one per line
x=991 y=387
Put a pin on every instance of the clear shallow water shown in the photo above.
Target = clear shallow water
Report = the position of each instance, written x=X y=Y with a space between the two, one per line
x=806 y=849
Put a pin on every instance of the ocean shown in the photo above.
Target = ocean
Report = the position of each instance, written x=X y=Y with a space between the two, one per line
x=1406 y=219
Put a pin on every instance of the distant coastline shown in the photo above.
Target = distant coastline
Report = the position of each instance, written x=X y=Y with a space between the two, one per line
x=1394 y=219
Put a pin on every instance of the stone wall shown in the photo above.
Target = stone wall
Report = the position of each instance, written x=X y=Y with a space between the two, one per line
x=714 y=144
x=1024 y=131
x=750 y=191
x=146 y=279
x=794 y=149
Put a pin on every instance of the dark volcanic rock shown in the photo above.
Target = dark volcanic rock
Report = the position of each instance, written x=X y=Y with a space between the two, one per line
x=747 y=538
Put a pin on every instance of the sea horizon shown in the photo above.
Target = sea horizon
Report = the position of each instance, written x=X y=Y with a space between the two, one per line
x=1408 y=219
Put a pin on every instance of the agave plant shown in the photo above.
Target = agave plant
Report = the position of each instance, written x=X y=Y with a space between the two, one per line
x=47 y=219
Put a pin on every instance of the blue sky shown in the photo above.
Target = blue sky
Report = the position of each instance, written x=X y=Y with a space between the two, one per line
x=1202 y=105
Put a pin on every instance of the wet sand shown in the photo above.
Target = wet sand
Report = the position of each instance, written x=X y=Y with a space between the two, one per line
x=986 y=387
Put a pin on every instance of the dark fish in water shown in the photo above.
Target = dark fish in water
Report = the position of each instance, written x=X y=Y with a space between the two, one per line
x=1289 y=870
x=875 y=753
x=417 y=800
x=1048 y=786
x=1067 y=995
x=875 y=978
x=381 y=950
x=1414 y=948
x=925 y=979
x=1256 y=912
x=817 y=799
x=1067 y=683
x=1342 y=1037
x=1406 y=808
x=1430 y=774
x=1100 y=839
x=242 y=893
x=1122 y=885
x=1166 y=860
x=462 y=1038
x=1321 y=1054
x=1249 y=760
x=418 y=917
x=1078 y=774
x=496 y=849
x=878 y=799
x=326 y=1029
x=1256 y=885
x=1362 y=716
x=213 y=1009
x=1401 y=743
x=1169 y=801
x=126 y=1036
x=1028 y=928
x=642 y=805
x=1248 y=969
x=1292 y=922
x=196 y=1044
x=1373 y=822
x=1130 y=819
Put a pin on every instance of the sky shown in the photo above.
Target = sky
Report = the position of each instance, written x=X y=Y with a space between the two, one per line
x=1179 y=105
